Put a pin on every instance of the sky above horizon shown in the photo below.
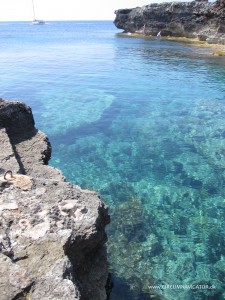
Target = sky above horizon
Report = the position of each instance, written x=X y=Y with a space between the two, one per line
x=21 y=10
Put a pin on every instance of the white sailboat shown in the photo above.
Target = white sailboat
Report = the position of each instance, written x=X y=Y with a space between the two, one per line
x=36 y=21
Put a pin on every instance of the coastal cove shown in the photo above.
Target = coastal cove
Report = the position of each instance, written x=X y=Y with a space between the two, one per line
x=141 y=122
x=202 y=46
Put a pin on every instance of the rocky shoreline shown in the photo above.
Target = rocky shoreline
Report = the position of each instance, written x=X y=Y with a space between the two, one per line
x=52 y=233
x=199 y=21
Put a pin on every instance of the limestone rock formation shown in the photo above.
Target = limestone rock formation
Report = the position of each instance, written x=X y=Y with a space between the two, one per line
x=52 y=233
x=201 y=19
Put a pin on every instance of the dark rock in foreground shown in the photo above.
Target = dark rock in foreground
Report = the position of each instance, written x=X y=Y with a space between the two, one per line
x=179 y=19
x=52 y=233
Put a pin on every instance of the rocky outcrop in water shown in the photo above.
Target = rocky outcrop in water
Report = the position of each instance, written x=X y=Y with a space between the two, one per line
x=179 y=19
x=52 y=233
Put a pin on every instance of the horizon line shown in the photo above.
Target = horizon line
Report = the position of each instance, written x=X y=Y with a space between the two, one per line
x=70 y=20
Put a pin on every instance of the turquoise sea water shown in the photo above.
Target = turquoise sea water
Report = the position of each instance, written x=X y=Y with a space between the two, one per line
x=142 y=122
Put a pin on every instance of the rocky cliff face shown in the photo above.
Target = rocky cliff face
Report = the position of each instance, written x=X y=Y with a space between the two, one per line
x=52 y=233
x=180 y=19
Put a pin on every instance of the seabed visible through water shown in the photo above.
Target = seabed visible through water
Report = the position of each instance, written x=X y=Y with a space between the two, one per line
x=141 y=122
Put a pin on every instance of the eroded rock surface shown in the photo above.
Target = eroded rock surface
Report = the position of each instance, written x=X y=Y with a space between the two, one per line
x=52 y=233
x=201 y=19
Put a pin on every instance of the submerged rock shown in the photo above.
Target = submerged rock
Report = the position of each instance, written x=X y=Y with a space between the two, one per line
x=52 y=233
x=196 y=19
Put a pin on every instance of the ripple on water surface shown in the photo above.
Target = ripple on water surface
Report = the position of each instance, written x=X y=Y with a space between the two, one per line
x=141 y=122
x=156 y=155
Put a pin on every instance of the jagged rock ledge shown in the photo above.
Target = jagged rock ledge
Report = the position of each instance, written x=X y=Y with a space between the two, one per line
x=197 y=19
x=52 y=233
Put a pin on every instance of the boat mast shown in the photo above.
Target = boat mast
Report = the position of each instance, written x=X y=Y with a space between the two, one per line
x=33 y=9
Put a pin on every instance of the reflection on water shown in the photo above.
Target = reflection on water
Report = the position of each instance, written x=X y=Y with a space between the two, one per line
x=141 y=122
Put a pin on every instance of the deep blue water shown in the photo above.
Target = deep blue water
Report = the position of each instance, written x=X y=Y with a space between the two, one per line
x=141 y=121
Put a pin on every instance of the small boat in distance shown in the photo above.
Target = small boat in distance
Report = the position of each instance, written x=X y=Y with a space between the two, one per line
x=35 y=21
x=38 y=22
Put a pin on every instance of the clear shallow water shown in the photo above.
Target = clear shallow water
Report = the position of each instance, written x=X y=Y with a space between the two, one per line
x=141 y=122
